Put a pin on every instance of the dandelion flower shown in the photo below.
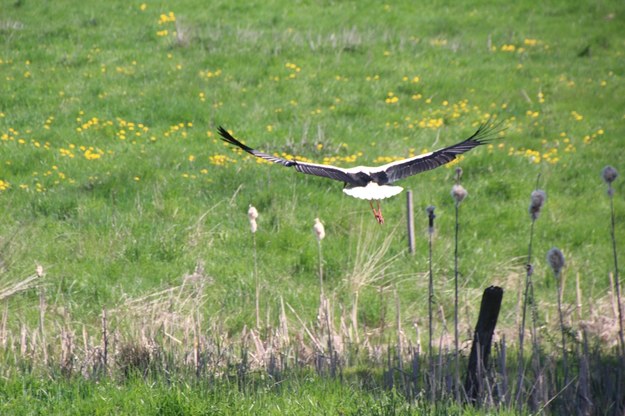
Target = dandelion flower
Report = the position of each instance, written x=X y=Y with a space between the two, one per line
x=319 y=230
x=458 y=193
x=555 y=258
x=538 y=198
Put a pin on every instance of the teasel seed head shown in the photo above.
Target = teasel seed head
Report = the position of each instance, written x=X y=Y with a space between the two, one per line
x=609 y=174
x=319 y=229
x=538 y=198
x=458 y=174
x=252 y=213
x=458 y=193
x=555 y=258
x=431 y=216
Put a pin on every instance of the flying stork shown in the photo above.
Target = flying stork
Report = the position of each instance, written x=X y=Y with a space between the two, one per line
x=375 y=183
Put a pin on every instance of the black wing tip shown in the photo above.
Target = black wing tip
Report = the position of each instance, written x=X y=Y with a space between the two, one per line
x=488 y=130
x=228 y=138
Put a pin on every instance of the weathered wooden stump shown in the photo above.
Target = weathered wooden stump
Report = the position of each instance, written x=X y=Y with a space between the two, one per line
x=482 y=338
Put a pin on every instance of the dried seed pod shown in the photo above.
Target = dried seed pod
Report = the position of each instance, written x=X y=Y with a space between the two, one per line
x=555 y=258
x=458 y=193
x=537 y=200
x=319 y=230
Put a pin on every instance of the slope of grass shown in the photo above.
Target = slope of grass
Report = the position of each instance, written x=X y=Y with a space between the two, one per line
x=115 y=182
x=113 y=179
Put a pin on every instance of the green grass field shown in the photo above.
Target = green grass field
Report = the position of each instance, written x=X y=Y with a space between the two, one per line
x=113 y=179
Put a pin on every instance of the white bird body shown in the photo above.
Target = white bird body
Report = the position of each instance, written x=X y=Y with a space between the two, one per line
x=375 y=183
x=373 y=191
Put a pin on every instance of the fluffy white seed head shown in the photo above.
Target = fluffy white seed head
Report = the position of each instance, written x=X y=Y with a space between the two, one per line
x=252 y=213
x=319 y=230
x=253 y=226
x=458 y=193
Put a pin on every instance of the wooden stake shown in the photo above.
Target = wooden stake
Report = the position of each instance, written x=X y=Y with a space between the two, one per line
x=410 y=216
x=482 y=338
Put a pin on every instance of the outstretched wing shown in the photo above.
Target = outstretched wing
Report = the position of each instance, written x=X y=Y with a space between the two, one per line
x=326 y=171
x=227 y=137
x=408 y=167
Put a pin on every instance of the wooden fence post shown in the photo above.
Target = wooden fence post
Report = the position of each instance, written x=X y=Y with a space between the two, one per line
x=410 y=216
x=482 y=338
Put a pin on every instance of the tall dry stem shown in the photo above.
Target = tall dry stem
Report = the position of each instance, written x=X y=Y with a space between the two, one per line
x=555 y=258
x=320 y=234
x=609 y=175
x=105 y=340
x=256 y=282
x=537 y=200
x=252 y=215
x=431 y=217
x=459 y=194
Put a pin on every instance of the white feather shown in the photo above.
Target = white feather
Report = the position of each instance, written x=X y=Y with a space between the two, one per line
x=373 y=191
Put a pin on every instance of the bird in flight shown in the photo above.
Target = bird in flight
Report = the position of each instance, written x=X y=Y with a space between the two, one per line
x=374 y=183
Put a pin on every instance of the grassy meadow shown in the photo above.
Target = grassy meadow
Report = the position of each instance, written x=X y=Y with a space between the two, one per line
x=123 y=217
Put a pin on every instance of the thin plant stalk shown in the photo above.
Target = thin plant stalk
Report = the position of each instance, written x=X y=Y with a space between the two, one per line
x=537 y=201
x=320 y=266
x=320 y=233
x=526 y=294
x=252 y=214
x=617 y=284
x=564 y=356
x=555 y=258
x=609 y=175
x=431 y=216
x=257 y=282
x=456 y=348
x=458 y=193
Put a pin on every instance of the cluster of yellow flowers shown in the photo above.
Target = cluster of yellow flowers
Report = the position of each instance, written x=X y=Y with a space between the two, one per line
x=92 y=154
x=528 y=42
x=590 y=137
x=93 y=122
x=210 y=74
x=293 y=68
x=391 y=98
x=220 y=160
x=339 y=160
x=178 y=129
x=431 y=123
x=164 y=19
